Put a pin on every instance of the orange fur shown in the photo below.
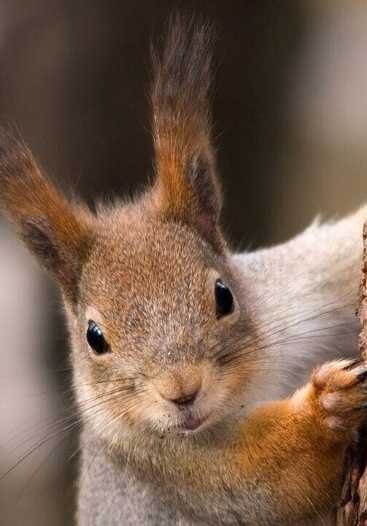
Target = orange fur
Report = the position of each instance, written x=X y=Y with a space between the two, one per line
x=57 y=231
x=186 y=187
x=146 y=273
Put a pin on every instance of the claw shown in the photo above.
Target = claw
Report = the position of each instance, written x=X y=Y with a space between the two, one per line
x=352 y=364
x=361 y=377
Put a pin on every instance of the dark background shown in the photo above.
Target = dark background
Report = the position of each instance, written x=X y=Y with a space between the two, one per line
x=290 y=116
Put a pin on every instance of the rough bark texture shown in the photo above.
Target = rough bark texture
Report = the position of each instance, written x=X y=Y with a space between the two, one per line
x=352 y=509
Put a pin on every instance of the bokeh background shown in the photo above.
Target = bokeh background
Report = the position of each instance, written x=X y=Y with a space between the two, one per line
x=290 y=109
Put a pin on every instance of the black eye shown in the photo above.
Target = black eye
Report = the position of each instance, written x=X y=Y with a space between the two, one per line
x=223 y=298
x=96 y=339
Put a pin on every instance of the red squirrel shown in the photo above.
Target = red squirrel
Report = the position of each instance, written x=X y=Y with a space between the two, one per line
x=189 y=359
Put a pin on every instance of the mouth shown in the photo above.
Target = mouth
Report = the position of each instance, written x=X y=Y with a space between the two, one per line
x=191 y=424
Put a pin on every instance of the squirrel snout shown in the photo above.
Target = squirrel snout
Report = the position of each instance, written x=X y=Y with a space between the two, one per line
x=186 y=399
x=181 y=389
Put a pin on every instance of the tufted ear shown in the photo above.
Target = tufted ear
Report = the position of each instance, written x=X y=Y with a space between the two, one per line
x=186 y=187
x=57 y=232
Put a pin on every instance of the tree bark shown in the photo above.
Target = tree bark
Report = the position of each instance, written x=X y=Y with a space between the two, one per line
x=352 y=508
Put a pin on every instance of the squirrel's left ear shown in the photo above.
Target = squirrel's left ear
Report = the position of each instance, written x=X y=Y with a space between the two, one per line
x=186 y=188
x=56 y=231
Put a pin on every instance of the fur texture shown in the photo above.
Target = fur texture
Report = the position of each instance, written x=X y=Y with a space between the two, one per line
x=55 y=230
x=145 y=273
x=186 y=188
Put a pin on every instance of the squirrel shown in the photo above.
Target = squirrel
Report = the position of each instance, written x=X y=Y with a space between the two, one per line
x=214 y=388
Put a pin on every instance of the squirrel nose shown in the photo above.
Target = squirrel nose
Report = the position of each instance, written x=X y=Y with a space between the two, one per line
x=186 y=399
x=182 y=390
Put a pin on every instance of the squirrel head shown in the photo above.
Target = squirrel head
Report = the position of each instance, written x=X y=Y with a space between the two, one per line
x=154 y=310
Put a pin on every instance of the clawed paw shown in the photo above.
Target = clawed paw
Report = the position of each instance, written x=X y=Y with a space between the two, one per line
x=340 y=391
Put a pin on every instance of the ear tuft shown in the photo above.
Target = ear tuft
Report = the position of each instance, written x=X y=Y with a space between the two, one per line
x=186 y=187
x=206 y=188
x=57 y=232
x=36 y=233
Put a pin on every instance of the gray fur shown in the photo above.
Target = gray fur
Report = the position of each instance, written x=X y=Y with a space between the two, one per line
x=302 y=295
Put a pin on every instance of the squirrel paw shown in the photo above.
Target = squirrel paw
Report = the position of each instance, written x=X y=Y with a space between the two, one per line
x=340 y=391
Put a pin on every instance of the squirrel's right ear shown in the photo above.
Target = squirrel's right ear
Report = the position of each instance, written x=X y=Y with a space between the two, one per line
x=186 y=189
x=58 y=233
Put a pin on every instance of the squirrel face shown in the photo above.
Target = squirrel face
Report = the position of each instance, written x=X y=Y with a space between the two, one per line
x=163 y=356
x=155 y=315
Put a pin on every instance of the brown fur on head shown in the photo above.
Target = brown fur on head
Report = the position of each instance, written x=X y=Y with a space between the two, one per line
x=55 y=230
x=145 y=272
x=187 y=188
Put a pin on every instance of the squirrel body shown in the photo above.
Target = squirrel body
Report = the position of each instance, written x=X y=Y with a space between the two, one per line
x=306 y=318
x=189 y=360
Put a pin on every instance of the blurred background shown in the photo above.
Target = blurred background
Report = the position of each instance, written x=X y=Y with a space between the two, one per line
x=290 y=109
